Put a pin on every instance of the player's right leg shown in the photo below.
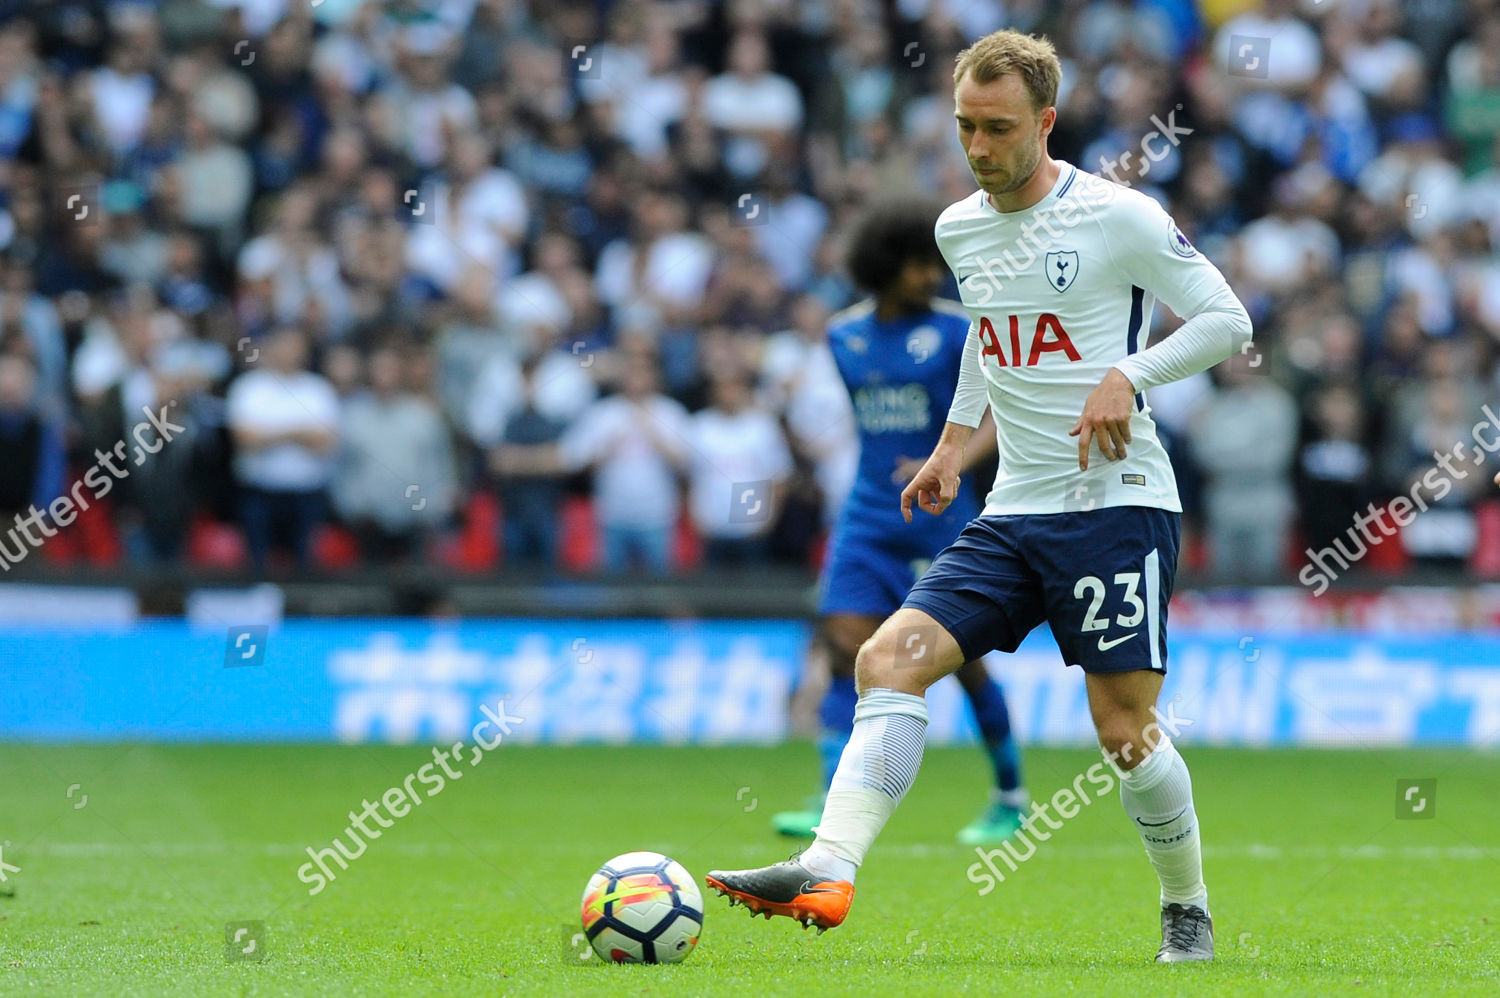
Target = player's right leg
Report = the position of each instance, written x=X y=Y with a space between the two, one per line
x=908 y=653
x=953 y=614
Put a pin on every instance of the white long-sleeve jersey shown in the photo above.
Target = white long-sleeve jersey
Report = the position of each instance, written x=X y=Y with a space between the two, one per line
x=1057 y=294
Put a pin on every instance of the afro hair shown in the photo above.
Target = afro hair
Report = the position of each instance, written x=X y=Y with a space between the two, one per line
x=887 y=236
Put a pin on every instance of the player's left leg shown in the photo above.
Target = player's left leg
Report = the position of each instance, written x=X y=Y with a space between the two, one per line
x=1002 y=817
x=1157 y=792
x=1109 y=579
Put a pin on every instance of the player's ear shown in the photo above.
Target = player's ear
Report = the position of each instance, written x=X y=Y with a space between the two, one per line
x=1048 y=119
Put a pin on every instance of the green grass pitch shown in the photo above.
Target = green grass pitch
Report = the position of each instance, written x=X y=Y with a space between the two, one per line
x=1317 y=888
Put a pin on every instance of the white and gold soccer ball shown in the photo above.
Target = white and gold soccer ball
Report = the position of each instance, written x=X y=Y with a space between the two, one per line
x=642 y=907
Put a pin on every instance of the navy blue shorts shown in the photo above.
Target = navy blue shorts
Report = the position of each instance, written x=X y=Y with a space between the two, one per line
x=870 y=578
x=1101 y=578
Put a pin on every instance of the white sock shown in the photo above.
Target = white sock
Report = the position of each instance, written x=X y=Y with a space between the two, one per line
x=1158 y=796
x=1018 y=798
x=875 y=772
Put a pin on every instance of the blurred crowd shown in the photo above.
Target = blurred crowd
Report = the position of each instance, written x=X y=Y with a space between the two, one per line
x=538 y=282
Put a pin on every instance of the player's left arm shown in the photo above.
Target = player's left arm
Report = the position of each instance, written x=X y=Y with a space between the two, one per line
x=1146 y=245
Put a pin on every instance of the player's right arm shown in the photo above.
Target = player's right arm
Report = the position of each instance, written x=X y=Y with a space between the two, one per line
x=936 y=485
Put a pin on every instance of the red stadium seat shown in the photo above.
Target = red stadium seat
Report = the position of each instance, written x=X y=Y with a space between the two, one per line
x=214 y=544
x=687 y=546
x=1389 y=557
x=98 y=540
x=476 y=547
x=334 y=548
x=1485 y=562
x=818 y=552
x=578 y=543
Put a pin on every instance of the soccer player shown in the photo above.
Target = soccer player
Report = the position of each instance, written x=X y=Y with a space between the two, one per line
x=898 y=354
x=1059 y=272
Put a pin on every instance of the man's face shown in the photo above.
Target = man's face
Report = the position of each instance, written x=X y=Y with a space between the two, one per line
x=17 y=384
x=1000 y=131
x=287 y=351
x=640 y=378
x=731 y=394
x=919 y=280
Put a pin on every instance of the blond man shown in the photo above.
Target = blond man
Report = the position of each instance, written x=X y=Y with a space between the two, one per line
x=1059 y=271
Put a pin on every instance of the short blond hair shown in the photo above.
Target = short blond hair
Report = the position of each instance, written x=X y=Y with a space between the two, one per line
x=1031 y=58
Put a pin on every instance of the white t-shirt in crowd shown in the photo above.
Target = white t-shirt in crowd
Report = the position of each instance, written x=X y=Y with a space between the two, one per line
x=489 y=213
x=268 y=402
x=634 y=482
x=767 y=102
x=736 y=455
x=678 y=267
x=560 y=389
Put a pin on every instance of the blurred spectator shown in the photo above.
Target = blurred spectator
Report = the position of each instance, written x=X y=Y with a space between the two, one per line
x=291 y=269
x=215 y=180
x=121 y=90
x=803 y=384
x=395 y=480
x=758 y=108
x=1386 y=67
x=141 y=362
x=740 y=466
x=1444 y=533
x=530 y=501
x=32 y=321
x=1335 y=470
x=561 y=387
x=31 y=450
x=477 y=215
x=421 y=107
x=1244 y=438
x=1473 y=100
x=661 y=271
x=636 y=442
x=285 y=422
x=1289 y=246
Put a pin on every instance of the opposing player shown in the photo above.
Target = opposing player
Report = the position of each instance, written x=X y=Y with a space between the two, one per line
x=898 y=354
x=1088 y=545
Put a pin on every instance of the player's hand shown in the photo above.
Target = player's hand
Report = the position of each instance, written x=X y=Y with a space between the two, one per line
x=934 y=487
x=1106 y=415
x=906 y=469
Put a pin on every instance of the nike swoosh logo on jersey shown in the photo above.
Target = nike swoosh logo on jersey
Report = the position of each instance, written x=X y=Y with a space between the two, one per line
x=1107 y=645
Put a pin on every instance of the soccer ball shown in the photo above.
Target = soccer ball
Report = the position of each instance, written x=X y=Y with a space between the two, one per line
x=642 y=908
